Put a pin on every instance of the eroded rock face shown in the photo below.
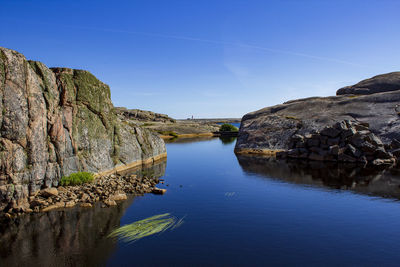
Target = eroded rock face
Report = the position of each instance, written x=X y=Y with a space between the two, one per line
x=272 y=128
x=58 y=121
x=378 y=84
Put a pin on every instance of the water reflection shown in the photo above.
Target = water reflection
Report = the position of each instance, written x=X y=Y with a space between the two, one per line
x=384 y=182
x=182 y=140
x=227 y=140
x=72 y=237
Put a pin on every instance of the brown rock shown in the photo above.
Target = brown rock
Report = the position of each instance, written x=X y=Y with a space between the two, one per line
x=159 y=191
x=86 y=205
x=57 y=205
x=119 y=197
x=49 y=192
x=110 y=202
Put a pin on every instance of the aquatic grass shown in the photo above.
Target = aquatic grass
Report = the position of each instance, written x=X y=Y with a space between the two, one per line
x=153 y=225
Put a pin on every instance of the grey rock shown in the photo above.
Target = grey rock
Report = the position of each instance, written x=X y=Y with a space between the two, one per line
x=59 y=121
x=378 y=84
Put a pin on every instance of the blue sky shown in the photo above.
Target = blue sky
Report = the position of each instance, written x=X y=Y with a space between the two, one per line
x=209 y=58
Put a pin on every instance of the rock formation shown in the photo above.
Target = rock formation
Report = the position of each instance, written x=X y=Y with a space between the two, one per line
x=378 y=84
x=345 y=141
x=272 y=129
x=58 y=121
x=142 y=115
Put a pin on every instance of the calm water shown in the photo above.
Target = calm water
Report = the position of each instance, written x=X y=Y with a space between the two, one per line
x=237 y=211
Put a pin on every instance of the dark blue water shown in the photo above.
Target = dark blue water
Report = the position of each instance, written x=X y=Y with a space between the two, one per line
x=237 y=211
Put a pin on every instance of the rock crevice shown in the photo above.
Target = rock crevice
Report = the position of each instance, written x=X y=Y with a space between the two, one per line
x=58 y=121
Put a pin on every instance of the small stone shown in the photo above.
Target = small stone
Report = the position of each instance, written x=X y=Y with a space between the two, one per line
x=37 y=202
x=70 y=204
x=383 y=161
x=341 y=126
x=110 y=202
x=119 y=197
x=86 y=205
x=330 y=132
x=333 y=141
x=57 y=205
x=159 y=191
x=49 y=192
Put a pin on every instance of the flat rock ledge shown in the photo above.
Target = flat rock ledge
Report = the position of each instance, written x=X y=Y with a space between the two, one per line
x=108 y=189
x=345 y=141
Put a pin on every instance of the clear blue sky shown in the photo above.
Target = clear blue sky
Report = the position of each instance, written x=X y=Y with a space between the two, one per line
x=209 y=58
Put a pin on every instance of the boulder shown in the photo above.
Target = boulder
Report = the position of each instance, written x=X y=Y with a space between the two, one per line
x=49 y=192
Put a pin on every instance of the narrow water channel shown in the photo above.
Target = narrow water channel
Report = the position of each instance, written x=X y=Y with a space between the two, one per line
x=235 y=211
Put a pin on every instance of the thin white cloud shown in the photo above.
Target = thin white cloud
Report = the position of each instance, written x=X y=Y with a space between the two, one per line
x=187 y=38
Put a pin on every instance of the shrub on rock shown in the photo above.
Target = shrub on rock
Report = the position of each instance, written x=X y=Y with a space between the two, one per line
x=226 y=127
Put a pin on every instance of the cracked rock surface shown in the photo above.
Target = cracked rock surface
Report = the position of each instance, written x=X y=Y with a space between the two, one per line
x=58 y=121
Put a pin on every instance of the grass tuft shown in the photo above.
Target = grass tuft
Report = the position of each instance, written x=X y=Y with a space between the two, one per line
x=77 y=178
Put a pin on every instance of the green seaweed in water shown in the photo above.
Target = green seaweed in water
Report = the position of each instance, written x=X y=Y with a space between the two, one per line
x=146 y=227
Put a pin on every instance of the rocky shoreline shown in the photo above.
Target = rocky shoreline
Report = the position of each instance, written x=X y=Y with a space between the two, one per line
x=346 y=141
x=108 y=189
x=361 y=124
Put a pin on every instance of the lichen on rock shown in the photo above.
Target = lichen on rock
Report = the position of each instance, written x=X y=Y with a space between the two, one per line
x=58 y=121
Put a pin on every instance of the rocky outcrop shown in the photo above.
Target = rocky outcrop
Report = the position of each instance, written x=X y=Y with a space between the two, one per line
x=271 y=129
x=345 y=141
x=58 y=121
x=142 y=115
x=378 y=84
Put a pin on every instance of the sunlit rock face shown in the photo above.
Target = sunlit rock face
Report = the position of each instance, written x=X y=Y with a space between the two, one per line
x=58 y=121
x=271 y=128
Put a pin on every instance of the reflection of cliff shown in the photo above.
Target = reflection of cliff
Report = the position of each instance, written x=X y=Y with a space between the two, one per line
x=155 y=170
x=373 y=181
x=72 y=237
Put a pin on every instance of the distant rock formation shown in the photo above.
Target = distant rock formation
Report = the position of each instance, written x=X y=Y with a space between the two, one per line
x=271 y=129
x=142 y=115
x=58 y=121
x=378 y=84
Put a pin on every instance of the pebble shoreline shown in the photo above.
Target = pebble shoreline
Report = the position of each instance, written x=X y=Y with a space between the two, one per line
x=108 y=189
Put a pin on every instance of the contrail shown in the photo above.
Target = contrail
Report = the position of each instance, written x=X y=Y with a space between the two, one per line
x=185 y=38
x=278 y=51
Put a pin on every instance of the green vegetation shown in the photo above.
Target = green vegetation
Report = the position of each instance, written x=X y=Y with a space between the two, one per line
x=226 y=127
x=146 y=227
x=171 y=133
x=147 y=124
x=77 y=178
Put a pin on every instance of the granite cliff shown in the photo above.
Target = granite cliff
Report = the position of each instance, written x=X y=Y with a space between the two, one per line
x=376 y=107
x=56 y=121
